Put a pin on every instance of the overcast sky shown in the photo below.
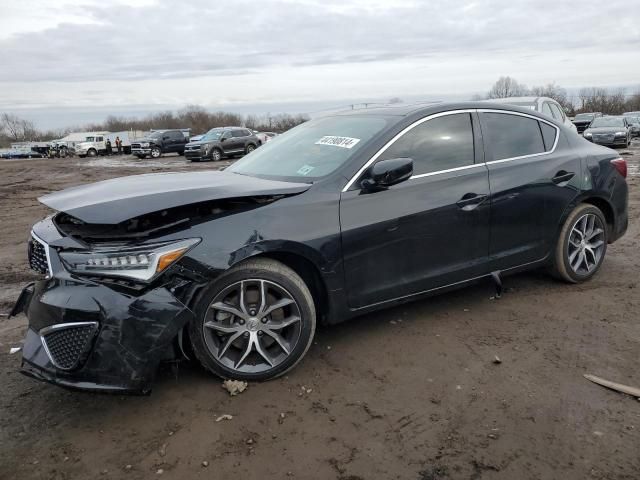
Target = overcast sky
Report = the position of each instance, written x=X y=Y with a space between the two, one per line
x=125 y=55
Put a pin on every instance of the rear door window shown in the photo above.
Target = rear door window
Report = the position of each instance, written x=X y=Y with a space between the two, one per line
x=511 y=136
x=438 y=144
x=238 y=133
x=557 y=113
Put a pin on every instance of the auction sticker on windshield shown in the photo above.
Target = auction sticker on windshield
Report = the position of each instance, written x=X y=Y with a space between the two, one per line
x=342 y=142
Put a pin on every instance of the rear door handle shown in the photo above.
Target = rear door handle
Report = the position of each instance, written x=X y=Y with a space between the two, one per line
x=562 y=177
x=471 y=201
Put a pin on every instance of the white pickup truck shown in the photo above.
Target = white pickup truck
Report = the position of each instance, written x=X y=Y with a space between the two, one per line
x=95 y=143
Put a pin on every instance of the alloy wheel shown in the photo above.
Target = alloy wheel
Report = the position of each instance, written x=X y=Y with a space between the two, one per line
x=155 y=152
x=216 y=155
x=252 y=326
x=250 y=148
x=586 y=244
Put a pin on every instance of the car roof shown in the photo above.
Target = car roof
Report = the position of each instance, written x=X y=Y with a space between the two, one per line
x=420 y=110
x=517 y=99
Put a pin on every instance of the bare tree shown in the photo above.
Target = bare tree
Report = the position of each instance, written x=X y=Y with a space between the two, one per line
x=552 y=90
x=507 y=87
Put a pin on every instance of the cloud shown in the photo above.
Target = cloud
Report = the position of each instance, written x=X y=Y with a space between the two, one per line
x=156 y=48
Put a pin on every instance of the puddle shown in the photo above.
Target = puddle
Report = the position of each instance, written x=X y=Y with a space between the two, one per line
x=120 y=162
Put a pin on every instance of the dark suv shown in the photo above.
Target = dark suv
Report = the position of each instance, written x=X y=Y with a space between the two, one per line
x=220 y=142
x=159 y=142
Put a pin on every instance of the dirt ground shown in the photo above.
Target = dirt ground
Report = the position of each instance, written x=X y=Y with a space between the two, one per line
x=410 y=392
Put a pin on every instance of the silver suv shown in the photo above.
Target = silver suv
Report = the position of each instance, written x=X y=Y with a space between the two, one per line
x=544 y=105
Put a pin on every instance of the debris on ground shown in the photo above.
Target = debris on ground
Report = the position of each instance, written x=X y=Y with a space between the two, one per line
x=614 y=386
x=496 y=360
x=224 y=417
x=162 y=451
x=234 y=387
x=15 y=350
x=205 y=464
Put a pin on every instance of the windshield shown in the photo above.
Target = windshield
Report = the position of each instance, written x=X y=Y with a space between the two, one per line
x=311 y=150
x=608 y=122
x=214 y=134
x=584 y=116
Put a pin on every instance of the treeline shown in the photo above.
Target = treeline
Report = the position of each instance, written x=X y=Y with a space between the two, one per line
x=589 y=99
x=198 y=119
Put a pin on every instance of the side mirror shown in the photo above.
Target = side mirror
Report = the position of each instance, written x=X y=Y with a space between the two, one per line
x=389 y=172
x=223 y=138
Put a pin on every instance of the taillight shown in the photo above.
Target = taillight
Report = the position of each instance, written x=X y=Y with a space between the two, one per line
x=621 y=165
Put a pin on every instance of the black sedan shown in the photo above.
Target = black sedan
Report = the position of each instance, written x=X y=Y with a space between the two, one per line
x=338 y=217
x=610 y=131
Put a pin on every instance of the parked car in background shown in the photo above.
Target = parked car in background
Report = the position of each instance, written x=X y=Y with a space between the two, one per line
x=221 y=142
x=582 y=120
x=343 y=215
x=611 y=131
x=264 y=137
x=196 y=138
x=95 y=143
x=159 y=142
x=634 y=124
x=544 y=105
x=18 y=153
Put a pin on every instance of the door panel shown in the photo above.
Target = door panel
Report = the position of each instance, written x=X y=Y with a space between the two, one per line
x=414 y=237
x=528 y=197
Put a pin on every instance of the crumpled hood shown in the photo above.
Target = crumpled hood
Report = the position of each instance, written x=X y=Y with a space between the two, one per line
x=119 y=199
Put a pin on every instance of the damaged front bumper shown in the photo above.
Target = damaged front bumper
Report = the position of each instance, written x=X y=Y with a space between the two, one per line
x=92 y=336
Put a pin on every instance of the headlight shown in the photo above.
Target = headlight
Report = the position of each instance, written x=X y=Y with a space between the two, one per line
x=587 y=134
x=204 y=147
x=621 y=134
x=139 y=263
x=144 y=145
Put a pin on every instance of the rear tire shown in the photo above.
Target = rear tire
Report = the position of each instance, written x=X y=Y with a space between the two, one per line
x=250 y=148
x=581 y=246
x=230 y=335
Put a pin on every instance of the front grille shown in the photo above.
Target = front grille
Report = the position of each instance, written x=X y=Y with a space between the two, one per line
x=135 y=145
x=66 y=344
x=38 y=256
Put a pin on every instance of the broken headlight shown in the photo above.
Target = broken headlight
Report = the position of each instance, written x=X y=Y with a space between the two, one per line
x=138 y=263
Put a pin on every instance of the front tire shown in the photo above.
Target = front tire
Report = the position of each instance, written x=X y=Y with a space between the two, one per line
x=216 y=155
x=581 y=245
x=156 y=152
x=254 y=323
x=92 y=153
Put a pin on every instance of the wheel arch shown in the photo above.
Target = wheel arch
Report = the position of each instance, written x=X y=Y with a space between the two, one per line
x=605 y=207
x=310 y=274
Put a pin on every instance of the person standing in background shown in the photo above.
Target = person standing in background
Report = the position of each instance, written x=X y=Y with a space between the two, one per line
x=119 y=145
x=108 y=145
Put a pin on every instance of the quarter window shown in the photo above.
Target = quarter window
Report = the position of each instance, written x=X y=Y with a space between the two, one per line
x=238 y=133
x=548 y=135
x=437 y=144
x=512 y=136
x=546 y=110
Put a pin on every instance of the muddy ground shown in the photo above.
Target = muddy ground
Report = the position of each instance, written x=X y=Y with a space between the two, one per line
x=410 y=392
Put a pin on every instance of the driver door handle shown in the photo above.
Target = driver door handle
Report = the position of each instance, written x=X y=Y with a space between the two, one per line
x=471 y=201
x=562 y=177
